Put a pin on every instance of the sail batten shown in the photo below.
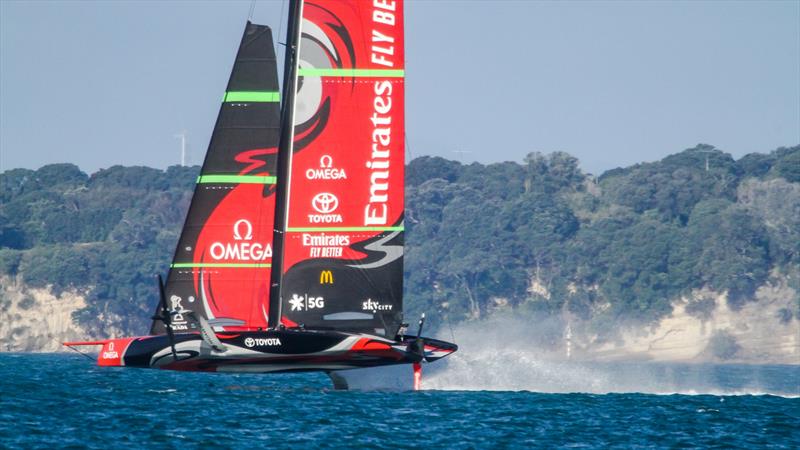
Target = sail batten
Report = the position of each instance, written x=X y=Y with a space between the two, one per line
x=207 y=265
x=337 y=72
x=250 y=179
x=300 y=229
x=252 y=96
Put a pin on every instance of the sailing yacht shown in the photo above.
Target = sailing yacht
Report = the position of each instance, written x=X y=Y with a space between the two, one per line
x=291 y=255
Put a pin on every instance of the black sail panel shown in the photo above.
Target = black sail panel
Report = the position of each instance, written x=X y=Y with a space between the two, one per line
x=221 y=267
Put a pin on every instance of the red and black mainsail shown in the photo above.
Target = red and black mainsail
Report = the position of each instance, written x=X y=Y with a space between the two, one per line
x=221 y=267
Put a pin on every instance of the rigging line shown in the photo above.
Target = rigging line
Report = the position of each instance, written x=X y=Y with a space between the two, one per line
x=409 y=156
x=77 y=351
x=452 y=335
x=280 y=23
x=252 y=9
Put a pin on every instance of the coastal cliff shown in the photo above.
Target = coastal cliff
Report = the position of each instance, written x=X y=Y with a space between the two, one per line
x=34 y=319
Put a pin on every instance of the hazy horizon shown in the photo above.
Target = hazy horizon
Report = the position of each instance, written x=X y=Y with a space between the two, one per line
x=612 y=83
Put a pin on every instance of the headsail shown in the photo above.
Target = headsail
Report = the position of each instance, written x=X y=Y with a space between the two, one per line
x=221 y=267
x=342 y=262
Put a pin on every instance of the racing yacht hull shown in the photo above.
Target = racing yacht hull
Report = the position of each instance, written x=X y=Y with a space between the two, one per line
x=270 y=351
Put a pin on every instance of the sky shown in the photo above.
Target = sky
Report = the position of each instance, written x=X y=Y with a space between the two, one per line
x=610 y=82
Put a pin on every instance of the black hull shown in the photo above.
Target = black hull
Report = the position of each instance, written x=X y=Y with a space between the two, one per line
x=272 y=351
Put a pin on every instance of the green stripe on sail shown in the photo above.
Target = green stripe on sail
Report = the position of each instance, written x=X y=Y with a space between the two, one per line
x=245 y=179
x=298 y=230
x=379 y=73
x=220 y=265
x=252 y=96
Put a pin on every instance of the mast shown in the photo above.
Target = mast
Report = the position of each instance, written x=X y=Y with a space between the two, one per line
x=285 y=148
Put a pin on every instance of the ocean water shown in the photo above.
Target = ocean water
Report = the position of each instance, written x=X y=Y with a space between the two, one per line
x=64 y=400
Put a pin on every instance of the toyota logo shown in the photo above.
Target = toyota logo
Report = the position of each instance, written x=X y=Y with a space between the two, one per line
x=325 y=203
x=249 y=342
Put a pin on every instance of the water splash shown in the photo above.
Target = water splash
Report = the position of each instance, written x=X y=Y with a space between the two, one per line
x=505 y=354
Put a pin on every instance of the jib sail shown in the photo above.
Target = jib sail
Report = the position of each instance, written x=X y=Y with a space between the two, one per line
x=221 y=267
x=342 y=262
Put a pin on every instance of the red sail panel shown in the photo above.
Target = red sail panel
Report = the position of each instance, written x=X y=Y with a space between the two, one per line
x=233 y=258
x=343 y=243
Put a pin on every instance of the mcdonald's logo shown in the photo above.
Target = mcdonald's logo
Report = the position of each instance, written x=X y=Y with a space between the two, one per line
x=326 y=277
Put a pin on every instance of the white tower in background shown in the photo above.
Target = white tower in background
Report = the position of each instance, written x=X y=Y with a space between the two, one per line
x=182 y=136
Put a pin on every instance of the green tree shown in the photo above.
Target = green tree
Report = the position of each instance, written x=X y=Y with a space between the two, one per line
x=787 y=163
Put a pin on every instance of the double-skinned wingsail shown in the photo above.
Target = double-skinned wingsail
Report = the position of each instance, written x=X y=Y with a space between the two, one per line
x=221 y=267
x=343 y=244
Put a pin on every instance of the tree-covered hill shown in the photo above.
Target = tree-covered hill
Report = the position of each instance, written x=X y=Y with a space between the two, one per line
x=104 y=234
x=621 y=247
x=540 y=237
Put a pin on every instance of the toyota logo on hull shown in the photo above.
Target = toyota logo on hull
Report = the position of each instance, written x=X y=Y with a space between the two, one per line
x=262 y=342
x=325 y=203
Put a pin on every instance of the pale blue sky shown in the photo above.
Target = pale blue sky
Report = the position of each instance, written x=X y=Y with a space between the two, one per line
x=613 y=83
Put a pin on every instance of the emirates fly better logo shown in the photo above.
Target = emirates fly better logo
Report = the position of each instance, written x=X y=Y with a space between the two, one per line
x=325 y=204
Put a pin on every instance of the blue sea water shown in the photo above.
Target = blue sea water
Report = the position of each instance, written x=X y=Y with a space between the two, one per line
x=58 y=400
